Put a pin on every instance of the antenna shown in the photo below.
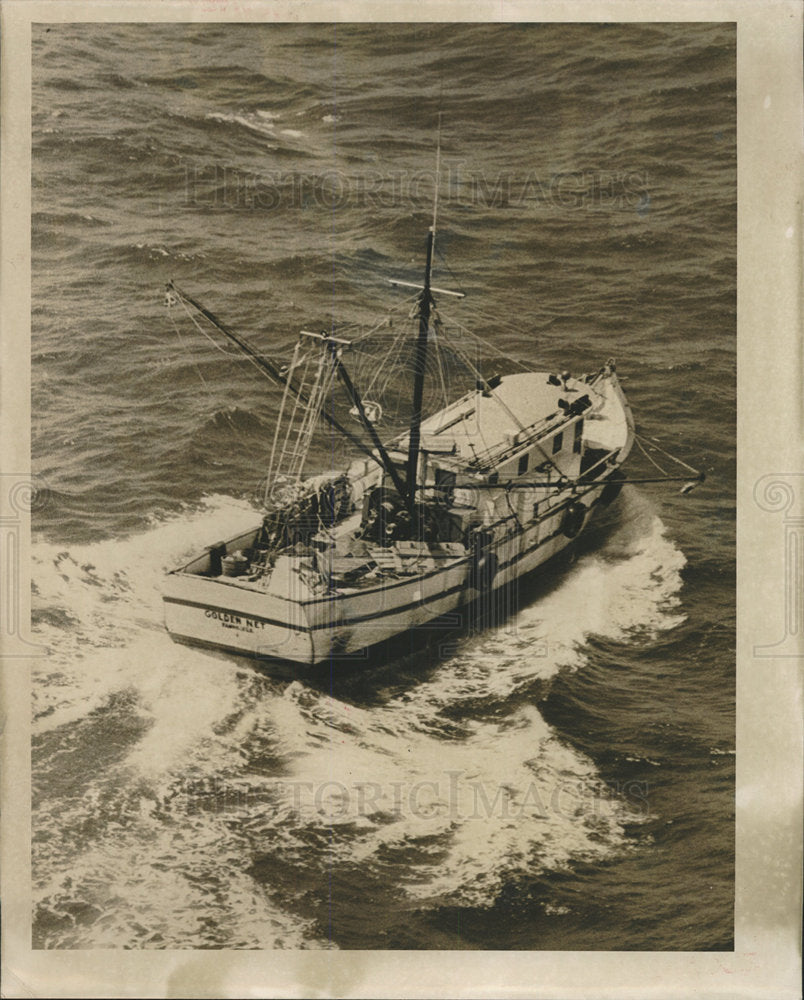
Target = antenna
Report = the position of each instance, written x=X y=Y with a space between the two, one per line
x=431 y=233
x=437 y=176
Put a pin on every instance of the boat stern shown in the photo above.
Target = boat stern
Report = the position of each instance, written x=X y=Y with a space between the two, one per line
x=208 y=612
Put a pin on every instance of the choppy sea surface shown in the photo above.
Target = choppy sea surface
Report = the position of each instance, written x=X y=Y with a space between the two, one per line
x=561 y=780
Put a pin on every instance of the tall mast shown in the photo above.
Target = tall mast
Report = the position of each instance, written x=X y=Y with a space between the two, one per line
x=425 y=303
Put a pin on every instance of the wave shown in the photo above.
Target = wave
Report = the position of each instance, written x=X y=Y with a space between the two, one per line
x=66 y=219
x=183 y=797
x=451 y=817
x=112 y=870
x=447 y=785
x=263 y=123
x=113 y=590
x=231 y=76
x=234 y=418
x=127 y=254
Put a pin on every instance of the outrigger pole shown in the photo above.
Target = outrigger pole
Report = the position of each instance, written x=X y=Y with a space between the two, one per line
x=564 y=484
x=354 y=396
x=270 y=369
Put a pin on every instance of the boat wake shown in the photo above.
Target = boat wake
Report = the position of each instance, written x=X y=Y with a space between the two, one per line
x=98 y=608
x=182 y=798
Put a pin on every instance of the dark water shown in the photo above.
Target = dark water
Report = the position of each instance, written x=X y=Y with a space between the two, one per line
x=563 y=780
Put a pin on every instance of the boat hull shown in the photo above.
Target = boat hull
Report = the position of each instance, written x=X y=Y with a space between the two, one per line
x=306 y=630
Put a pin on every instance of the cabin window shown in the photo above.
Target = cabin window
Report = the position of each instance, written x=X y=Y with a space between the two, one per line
x=523 y=465
x=576 y=444
x=493 y=478
x=535 y=511
x=558 y=441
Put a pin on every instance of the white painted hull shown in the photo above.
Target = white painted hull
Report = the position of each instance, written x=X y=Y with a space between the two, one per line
x=211 y=612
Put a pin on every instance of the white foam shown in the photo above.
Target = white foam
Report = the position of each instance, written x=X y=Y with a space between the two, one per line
x=112 y=592
x=462 y=813
x=628 y=588
x=155 y=883
x=470 y=802
x=147 y=875
x=261 y=124
x=453 y=806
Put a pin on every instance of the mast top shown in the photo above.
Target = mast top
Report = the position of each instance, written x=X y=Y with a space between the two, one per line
x=437 y=177
x=437 y=185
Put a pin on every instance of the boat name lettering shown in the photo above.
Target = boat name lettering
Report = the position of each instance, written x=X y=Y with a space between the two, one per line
x=233 y=621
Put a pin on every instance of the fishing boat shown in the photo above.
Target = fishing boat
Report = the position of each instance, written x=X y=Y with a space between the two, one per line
x=419 y=528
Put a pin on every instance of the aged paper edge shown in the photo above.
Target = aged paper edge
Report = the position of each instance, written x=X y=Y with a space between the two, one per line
x=766 y=961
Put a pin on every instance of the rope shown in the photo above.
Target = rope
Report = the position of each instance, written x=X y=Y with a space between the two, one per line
x=195 y=363
x=666 y=454
x=383 y=322
x=644 y=452
x=437 y=177
x=497 y=321
x=452 y=274
x=214 y=343
x=396 y=350
x=278 y=424
x=204 y=382
x=437 y=345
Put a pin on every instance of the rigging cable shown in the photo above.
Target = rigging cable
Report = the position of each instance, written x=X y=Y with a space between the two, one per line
x=641 y=447
x=508 y=411
x=438 y=353
x=204 y=382
x=639 y=441
x=262 y=362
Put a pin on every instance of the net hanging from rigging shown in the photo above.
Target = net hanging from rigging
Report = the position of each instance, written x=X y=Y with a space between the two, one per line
x=309 y=383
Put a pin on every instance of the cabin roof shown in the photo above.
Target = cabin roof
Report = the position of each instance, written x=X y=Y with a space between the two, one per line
x=479 y=424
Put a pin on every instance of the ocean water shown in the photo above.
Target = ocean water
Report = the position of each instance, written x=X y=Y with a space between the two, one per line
x=561 y=780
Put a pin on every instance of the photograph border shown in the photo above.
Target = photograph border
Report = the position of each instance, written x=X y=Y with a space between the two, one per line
x=766 y=961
